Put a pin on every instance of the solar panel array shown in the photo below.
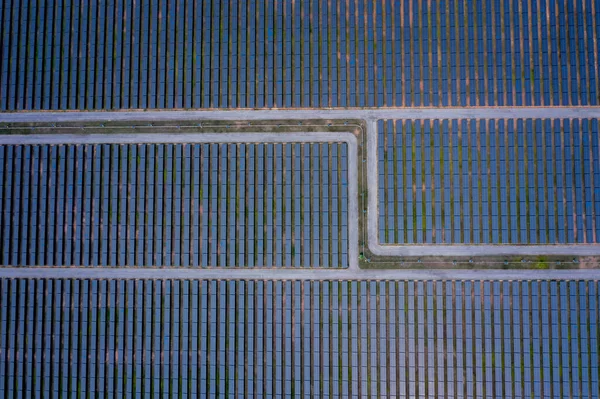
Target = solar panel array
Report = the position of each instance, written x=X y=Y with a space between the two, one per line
x=191 y=205
x=305 y=53
x=323 y=338
x=499 y=181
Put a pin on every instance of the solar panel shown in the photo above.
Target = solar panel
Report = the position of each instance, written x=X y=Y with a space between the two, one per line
x=268 y=338
x=167 y=205
x=340 y=53
x=486 y=181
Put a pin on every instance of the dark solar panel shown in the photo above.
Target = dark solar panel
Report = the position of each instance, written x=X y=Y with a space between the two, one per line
x=274 y=338
x=249 y=205
x=254 y=204
x=305 y=53
x=531 y=181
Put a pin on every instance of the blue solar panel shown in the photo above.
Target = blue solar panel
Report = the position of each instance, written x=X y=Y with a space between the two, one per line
x=267 y=338
x=525 y=181
x=186 y=53
x=165 y=205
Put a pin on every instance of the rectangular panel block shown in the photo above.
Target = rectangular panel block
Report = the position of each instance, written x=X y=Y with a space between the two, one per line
x=266 y=338
x=502 y=181
x=344 y=53
x=175 y=205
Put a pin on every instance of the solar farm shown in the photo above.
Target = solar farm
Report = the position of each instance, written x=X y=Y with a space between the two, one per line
x=338 y=198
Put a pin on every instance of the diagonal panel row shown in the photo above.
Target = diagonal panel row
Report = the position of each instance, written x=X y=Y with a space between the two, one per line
x=262 y=54
x=194 y=338
x=191 y=205
x=497 y=181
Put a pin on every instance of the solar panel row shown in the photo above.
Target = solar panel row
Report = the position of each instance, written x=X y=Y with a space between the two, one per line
x=306 y=53
x=520 y=181
x=191 y=205
x=319 y=338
